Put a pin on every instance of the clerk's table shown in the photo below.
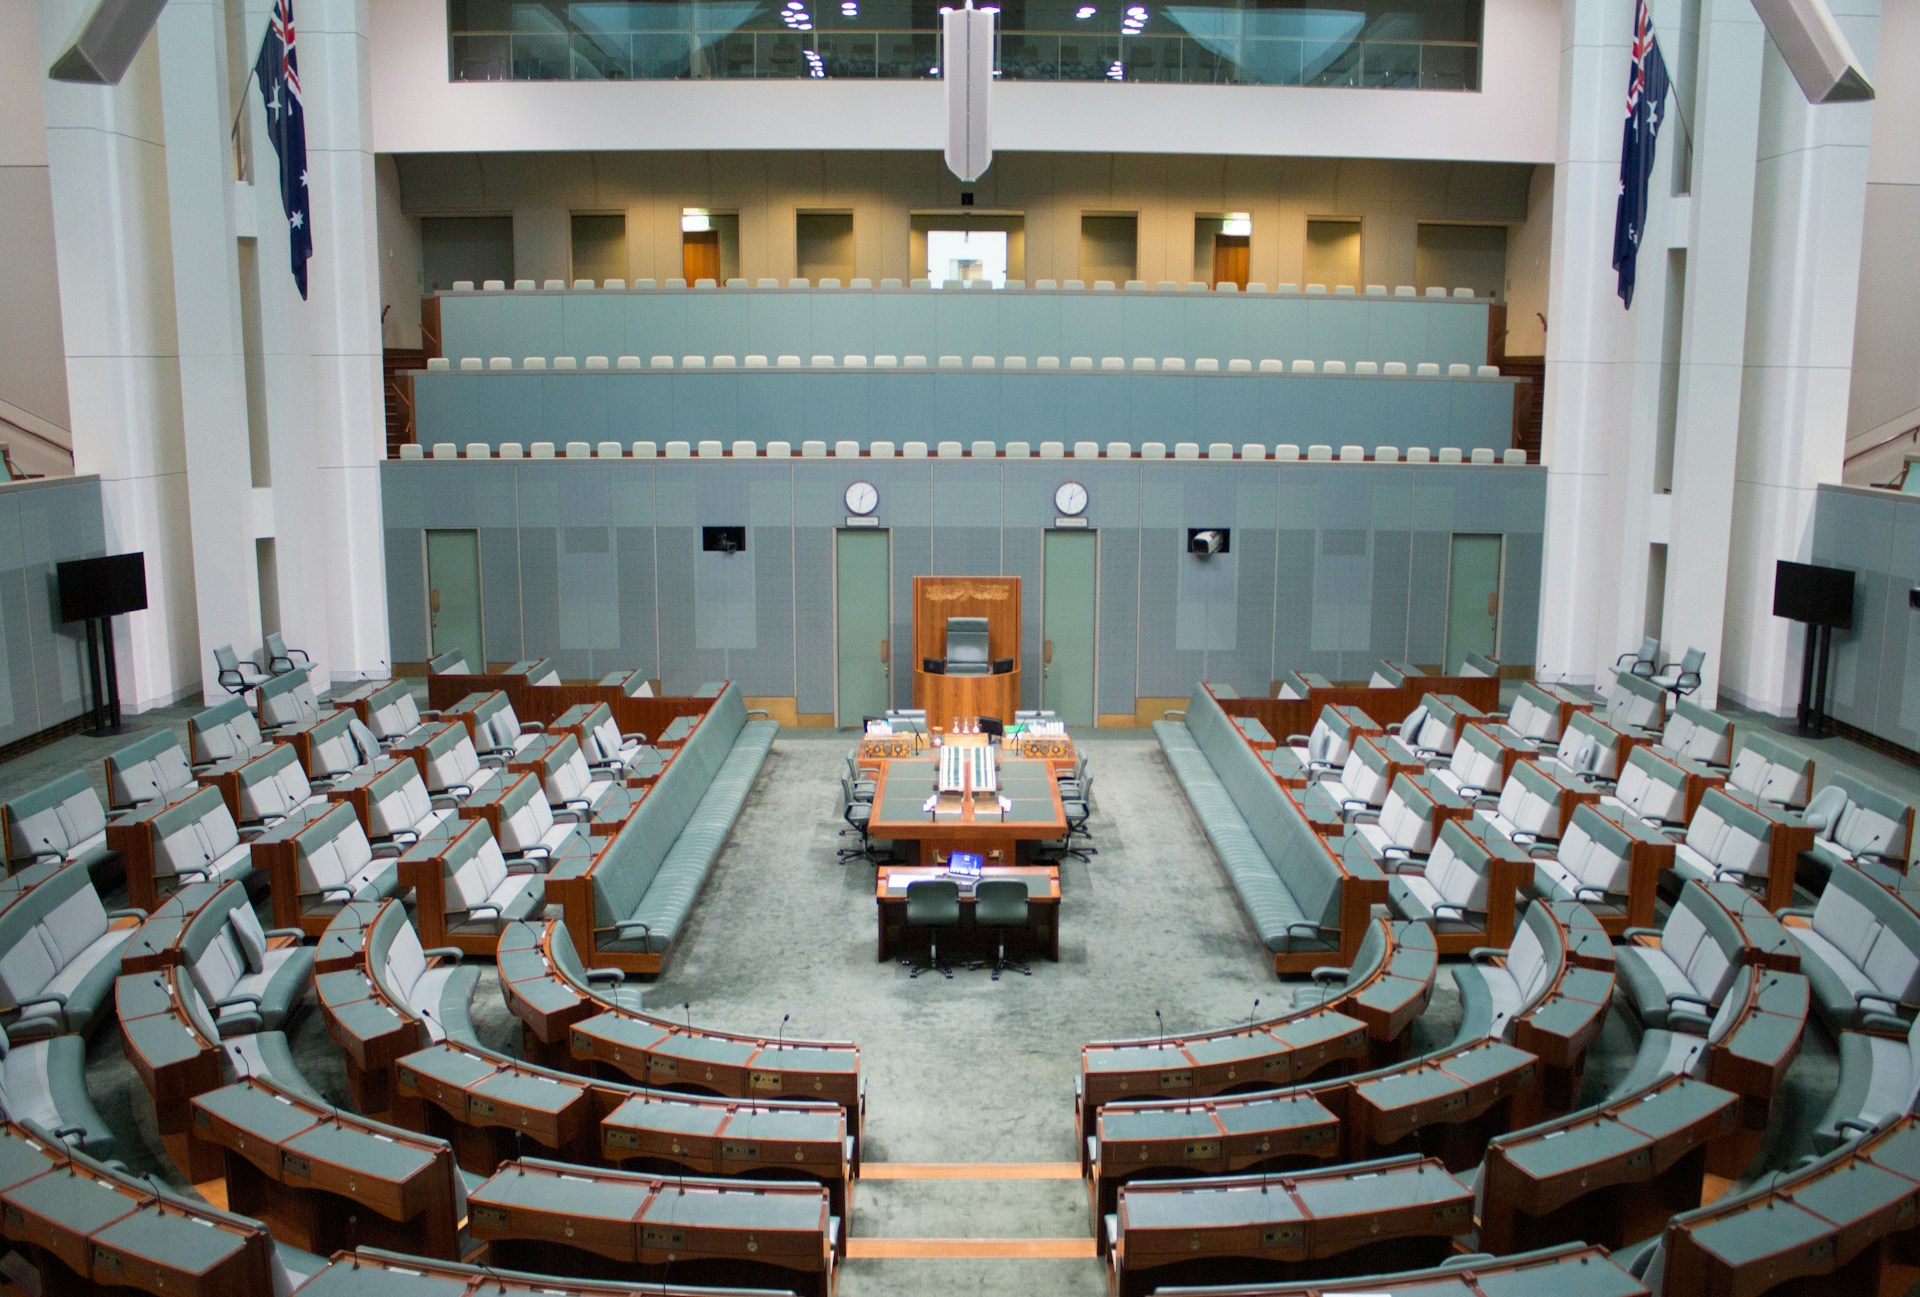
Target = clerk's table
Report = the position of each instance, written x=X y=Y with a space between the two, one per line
x=1033 y=811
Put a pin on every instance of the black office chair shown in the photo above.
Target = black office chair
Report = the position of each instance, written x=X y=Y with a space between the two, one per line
x=1000 y=904
x=859 y=816
x=933 y=905
x=1078 y=805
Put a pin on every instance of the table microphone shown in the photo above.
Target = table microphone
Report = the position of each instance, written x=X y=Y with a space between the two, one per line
x=1253 y=1013
x=1160 y=1029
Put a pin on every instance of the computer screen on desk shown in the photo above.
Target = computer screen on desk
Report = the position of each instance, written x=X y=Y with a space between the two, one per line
x=964 y=864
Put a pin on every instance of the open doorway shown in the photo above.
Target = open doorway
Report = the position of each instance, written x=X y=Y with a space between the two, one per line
x=1222 y=248
x=984 y=247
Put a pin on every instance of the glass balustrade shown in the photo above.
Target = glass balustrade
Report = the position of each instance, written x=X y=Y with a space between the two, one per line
x=1372 y=46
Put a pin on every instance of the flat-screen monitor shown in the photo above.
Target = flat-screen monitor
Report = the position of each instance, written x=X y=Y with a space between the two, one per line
x=965 y=864
x=993 y=727
x=1819 y=596
x=102 y=587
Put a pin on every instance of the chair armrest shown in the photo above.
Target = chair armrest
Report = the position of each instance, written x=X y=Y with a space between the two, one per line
x=452 y=954
x=1313 y=929
x=295 y=933
x=387 y=851
x=1884 y=1024
x=1635 y=934
x=232 y=1000
x=443 y=801
x=1328 y=975
x=1686 y=1020
x=1175 y=714
x=1539 y=852
x=533 y=727
x=1863 y=998
x=572 y=814
x=67 y=1134
x=1641 y=667
x=1584 y=894
x=760 y=712
x=482 y=909
x=1853 y=1124
x=335 y=892
x=129 y=912
x=523 y=866
x=529 y=854
x=1460 y=912
x=40 y=1026
x=629 y=928
x=611 y=976
x=494 y=760
x=1486 y=954
x=1797 y=911
x=636 y=736
x=1702 y=1001
x=203 y=874
x=240 y=1024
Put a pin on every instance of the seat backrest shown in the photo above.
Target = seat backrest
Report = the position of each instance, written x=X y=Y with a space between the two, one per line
x=967 y=642
x=1635 y=704
x=222 y=732
x=271 y=786
x=1597 y=851
x=1873 y=821
x=398 y=801
x=153 y=768
x=1458 y=868
x=287 y=700
x=329 y=851
x=392 y=712
x=1477 y=758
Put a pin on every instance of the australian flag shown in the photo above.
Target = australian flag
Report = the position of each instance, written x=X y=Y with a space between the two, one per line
x=1646 y=109
x=279 y=73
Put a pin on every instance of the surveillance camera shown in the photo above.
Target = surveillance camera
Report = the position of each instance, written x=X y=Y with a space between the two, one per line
x=1206 y=542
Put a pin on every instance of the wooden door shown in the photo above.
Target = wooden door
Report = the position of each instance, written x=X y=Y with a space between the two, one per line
x=700 y=255
x=1230 y=259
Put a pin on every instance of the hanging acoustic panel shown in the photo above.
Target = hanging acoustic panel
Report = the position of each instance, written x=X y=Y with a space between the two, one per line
x=966 y=65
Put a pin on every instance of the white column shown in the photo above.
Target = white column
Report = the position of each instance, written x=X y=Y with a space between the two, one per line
x=213 y=392
x=1713 y=342
x=326 y=412
x=1589 y=350
x=1809 y=212
x=107 y=159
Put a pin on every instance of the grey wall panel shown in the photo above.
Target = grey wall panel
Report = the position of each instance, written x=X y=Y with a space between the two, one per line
x=1282 y=326
x=961 y=405
x=42 y=662
x=1872 y=669
x=598 y=563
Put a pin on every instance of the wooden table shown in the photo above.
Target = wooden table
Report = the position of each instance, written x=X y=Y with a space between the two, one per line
x=1043 y=906
x=899 y=799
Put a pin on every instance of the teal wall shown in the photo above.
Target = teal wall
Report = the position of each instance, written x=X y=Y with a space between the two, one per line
x=803 y=323
x=1875 y=676
x=961 y=405
x=42 y=664
x=597 y=564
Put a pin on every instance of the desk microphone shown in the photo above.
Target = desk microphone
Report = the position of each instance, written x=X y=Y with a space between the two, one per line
x=1253 y=1013
x=780 y=1037
x=686 y=1007
x=1160 y=1029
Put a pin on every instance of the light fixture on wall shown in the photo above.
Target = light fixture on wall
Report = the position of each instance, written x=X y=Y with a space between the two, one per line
x=966 y=64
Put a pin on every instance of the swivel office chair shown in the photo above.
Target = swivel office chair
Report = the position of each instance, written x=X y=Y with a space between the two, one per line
x=1682 y=677
x=282 y=660
x=1000 y=904
x=933 y=905
x=1643 y=660
x=859 y=815
x=237 y=674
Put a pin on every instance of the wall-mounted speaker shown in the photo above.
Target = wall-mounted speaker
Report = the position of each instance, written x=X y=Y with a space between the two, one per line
x=108 y=41
x=723 y=540
x=1205 y=542
x=966 y=66
x=1815 y=50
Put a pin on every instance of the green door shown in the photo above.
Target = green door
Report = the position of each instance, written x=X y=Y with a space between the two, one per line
x=453 y=595
x=1068 y=580
x=863 y=616
x=1473 y=597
